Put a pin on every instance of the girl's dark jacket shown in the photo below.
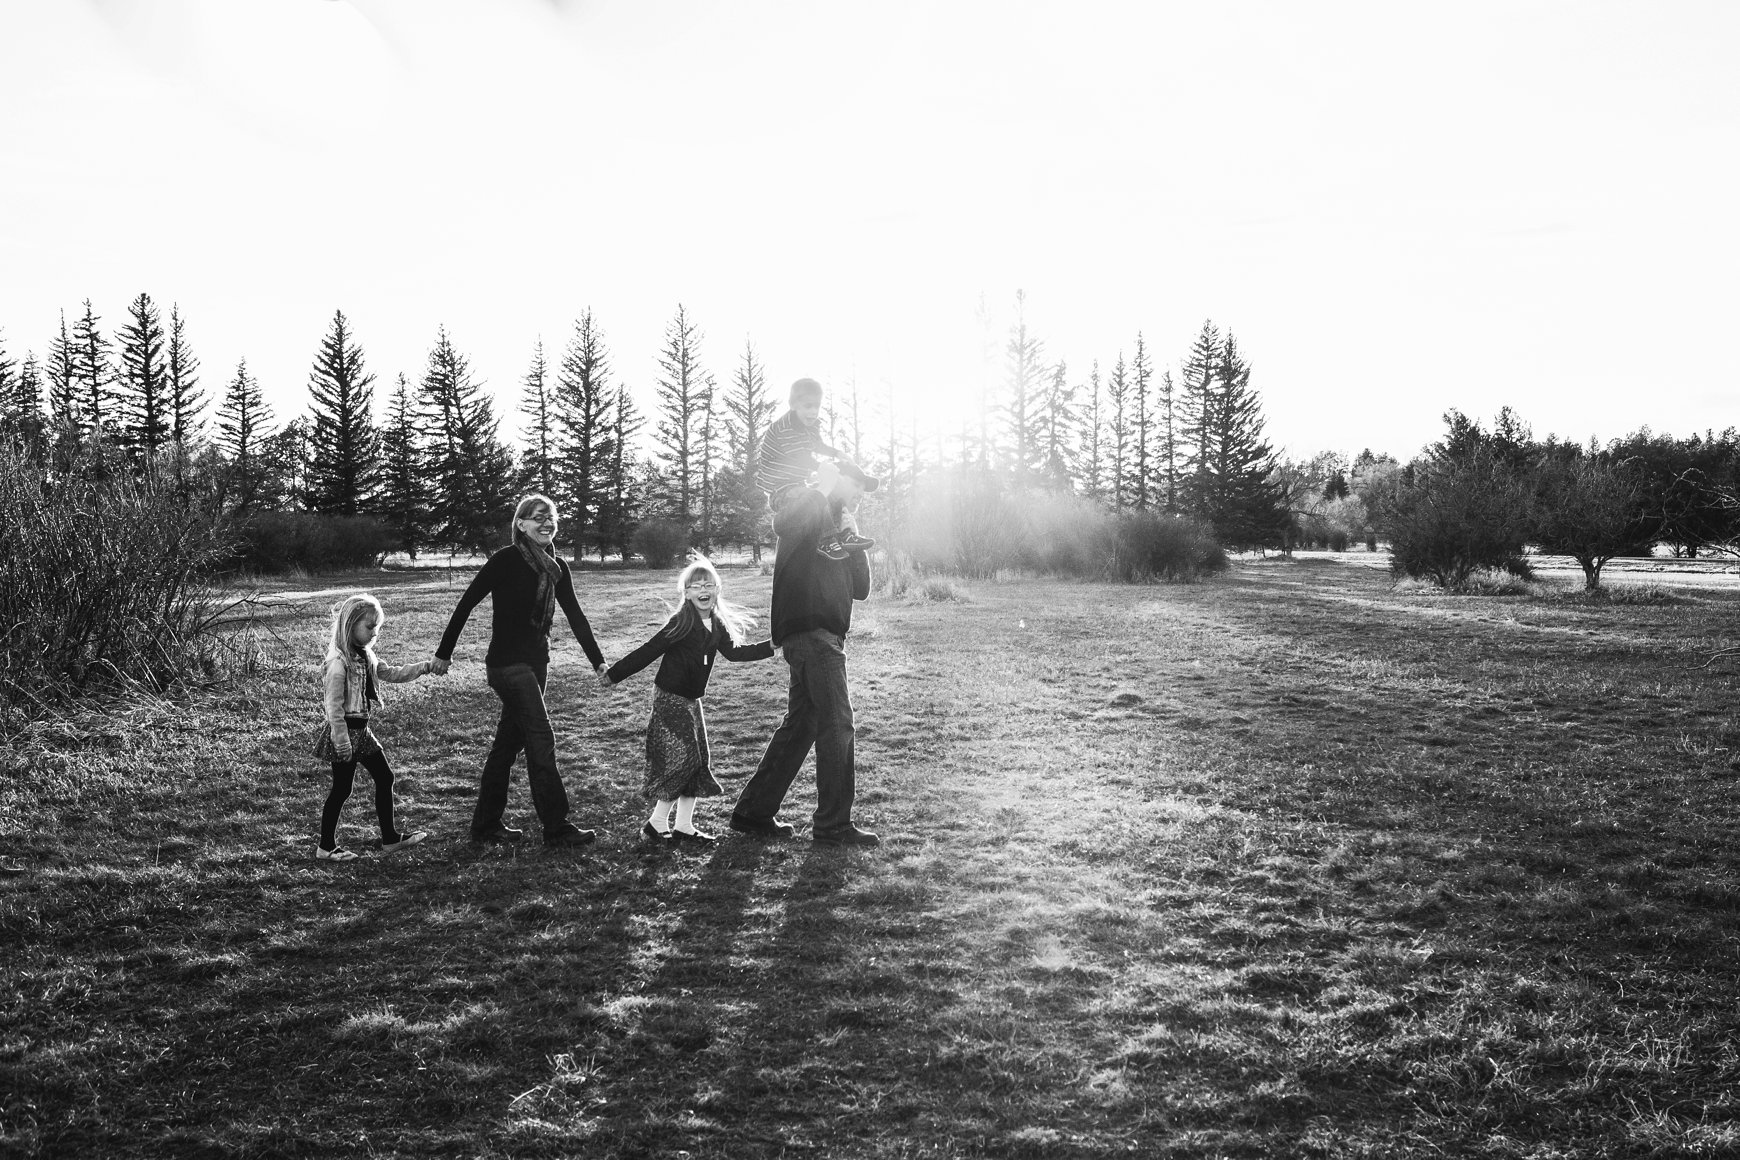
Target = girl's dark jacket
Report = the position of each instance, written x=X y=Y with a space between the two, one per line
x=688 y=661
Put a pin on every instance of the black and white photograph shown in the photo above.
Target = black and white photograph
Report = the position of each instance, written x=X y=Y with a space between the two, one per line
x=738 y=579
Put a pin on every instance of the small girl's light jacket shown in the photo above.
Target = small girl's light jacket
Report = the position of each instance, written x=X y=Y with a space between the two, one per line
x=346 y=687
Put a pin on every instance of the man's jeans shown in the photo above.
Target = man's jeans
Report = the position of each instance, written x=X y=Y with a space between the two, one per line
x=524 y=725
x=819 y=714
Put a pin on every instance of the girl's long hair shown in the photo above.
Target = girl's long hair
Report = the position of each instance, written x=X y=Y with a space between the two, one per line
x=738 y=621
x=341 y=641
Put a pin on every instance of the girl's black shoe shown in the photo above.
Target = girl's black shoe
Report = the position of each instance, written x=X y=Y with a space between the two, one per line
x=682 y=836
x=651 y=831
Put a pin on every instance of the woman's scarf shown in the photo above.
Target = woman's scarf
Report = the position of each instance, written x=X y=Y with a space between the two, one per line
x=542 y=562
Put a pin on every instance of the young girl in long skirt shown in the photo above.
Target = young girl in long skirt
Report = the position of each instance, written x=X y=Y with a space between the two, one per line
x=353 y=676
x=677 y=761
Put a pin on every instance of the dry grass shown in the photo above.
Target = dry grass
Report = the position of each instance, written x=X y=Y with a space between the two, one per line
x=1290 y=863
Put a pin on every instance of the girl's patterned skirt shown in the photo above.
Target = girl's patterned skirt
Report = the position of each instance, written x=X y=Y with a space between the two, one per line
x=676 y=750
x=362 y=740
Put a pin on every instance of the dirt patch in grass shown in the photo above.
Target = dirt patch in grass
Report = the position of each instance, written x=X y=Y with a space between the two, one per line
x=1289 y=863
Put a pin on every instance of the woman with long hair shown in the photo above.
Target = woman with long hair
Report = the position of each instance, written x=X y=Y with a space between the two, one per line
x=526 y=581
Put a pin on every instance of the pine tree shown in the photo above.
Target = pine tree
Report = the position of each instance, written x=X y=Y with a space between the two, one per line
x=1091 y=448
x=620 y=501
x=1197 y=413
x=709 y=438
x=402 y=499
x=1118 y=397
x=27 y=405
x=1022 y=411
x=243 y=421
x=65 y=414
x=682 y=390
x=582 y=404
x=186 y=400
x=8 y=382
x=1058 y=422
x=748 y=410
x=343 y=445
x=1141 y=466
x=470 y=472
x=1237 y=493
x=142 y=412
x=537 y=405
x=21 y=403
x=94 y=374
x=1167 y=451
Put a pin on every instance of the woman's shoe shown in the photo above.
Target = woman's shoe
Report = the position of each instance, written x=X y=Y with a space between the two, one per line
x=333 y=855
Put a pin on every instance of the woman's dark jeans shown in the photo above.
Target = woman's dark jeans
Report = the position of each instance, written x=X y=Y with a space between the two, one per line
x=524 y=725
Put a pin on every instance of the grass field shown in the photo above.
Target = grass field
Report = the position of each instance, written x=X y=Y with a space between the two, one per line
x=1290 y=863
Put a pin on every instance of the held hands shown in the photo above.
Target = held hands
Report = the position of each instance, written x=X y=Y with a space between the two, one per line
x=439 y=666
x=604 y=681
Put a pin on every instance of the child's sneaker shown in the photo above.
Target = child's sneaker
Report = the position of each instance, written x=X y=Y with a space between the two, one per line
x=404 y=840
x=853 y=542
x=832 y=546
x=333 y=855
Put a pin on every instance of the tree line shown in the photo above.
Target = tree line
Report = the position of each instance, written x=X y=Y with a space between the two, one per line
x=1483 y=495
x=428 y=464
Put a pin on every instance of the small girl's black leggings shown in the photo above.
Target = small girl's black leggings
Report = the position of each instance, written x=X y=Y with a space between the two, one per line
x=343 y=774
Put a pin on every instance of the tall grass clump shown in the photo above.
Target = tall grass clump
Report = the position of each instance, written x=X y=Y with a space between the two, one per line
x=659 y=542
x=1148 y=546
x=102 y=584
x=981 y=524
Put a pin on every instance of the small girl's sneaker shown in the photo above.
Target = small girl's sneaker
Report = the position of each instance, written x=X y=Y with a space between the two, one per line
x=333 y=855
x=404 y=840
x=853 y=542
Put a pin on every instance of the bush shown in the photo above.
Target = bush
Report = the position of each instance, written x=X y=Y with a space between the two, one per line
x=101 y=586
x=659 y=542
x=1153 y=546
x=1064 y=535
x=271 y=542
x=1338 y=541
x=1456 y=518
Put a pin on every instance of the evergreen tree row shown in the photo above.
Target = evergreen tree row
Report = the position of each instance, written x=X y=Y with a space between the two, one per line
x=429 y=462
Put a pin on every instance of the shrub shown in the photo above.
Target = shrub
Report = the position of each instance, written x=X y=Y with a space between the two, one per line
x=274 y=542
x=101 y=585
x=1338 y=541
x=1153 y=546
x=659 y=542
x=1064 y=535
x=1457 y=517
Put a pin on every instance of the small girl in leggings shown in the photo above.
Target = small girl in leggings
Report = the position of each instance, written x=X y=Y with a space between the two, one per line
x=353 y=673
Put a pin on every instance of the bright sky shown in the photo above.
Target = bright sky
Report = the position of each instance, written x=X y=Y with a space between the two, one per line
x=1397 y=208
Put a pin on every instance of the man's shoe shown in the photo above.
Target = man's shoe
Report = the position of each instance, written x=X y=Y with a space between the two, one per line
x=572 y=836
x=832 y=546
x=692 y=838
x=497 y=833
x=651 y=831
x=404 y=840
x=853 y=542
x=847 y=835
x=770 y=828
